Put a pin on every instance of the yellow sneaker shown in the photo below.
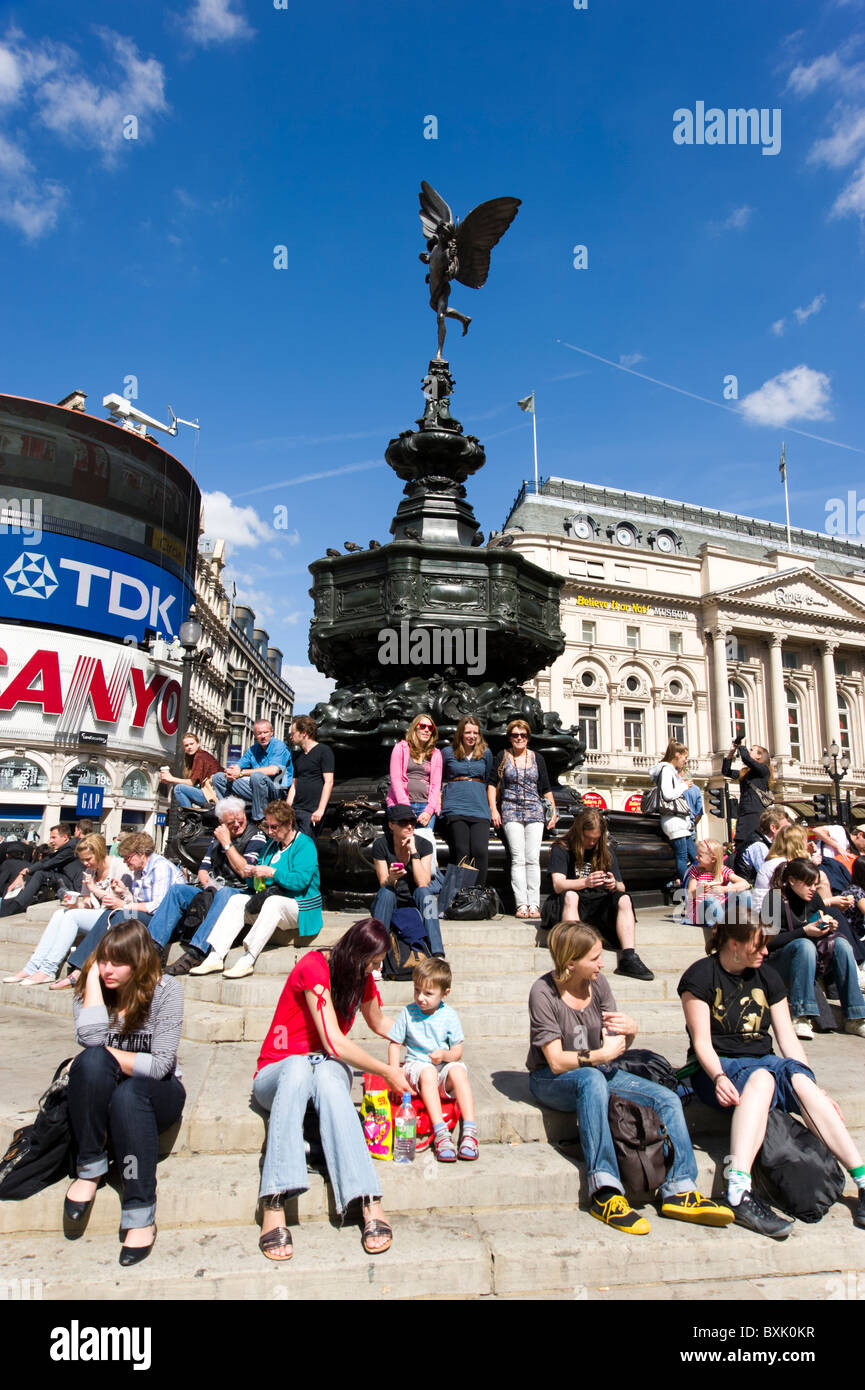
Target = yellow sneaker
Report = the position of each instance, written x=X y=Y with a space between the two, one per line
x=615 y=1212
x=693 y=1206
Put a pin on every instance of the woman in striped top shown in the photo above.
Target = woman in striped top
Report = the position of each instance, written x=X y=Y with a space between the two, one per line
x=125 y=1083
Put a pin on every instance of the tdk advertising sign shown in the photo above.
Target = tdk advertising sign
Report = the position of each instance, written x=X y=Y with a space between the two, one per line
x=78 y=584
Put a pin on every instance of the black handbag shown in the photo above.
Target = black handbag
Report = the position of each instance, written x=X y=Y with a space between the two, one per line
x=257 y=901
x=43 y=1152
x=795 y=1171
x=475 y=905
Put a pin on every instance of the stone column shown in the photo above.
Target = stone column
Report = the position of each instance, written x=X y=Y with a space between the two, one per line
x=721 y=699
x=778 y=698
x=831 y=724
x=660 y=722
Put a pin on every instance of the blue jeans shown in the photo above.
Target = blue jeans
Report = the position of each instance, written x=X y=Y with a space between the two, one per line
x=130 y=1111
x=105 y=920
x=796 y=963
x=587 y=1090
x=426 y=903
x=285 y=1088
x=685 y=850
x=189 y=796
x=163 y=923
x=256 y=789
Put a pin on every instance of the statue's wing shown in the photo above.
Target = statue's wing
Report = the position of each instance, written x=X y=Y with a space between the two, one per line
x=476 y=236
x=433 y=210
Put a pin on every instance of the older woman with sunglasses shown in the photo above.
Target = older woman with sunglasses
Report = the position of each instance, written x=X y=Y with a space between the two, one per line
x=524 y=802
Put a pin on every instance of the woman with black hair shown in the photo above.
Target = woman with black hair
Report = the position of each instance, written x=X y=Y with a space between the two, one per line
x=811 y=938
x=755 y=794
x=125 y=1083
x=307 y=1055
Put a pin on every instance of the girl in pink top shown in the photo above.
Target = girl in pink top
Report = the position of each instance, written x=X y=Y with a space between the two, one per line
x=416 y=771
x=709 y=882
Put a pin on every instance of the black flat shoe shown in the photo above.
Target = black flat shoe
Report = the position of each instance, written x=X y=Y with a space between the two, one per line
x=76 y=1215
x=133 y=1255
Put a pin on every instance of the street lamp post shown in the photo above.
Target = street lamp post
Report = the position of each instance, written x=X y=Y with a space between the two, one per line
x=830 y=767
x=190 y=635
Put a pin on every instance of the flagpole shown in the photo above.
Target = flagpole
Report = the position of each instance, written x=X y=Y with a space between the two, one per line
x=786 y=493
x=535 y=438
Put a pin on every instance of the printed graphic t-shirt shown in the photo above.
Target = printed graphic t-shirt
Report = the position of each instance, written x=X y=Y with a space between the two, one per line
x=738 y=1005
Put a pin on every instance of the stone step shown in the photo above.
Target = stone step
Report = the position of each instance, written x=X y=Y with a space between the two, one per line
x=513 y=1253
x=440 y=1256
x=220 y=1189
x=549 y=1250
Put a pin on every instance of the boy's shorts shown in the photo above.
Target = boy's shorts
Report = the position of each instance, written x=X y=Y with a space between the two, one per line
x=413 y=1068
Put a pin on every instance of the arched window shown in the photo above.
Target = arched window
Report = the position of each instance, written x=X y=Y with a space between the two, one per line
x=136 y=784
x=793 y=721
x=737 y=709
x=843 y=724
x=21 y=775
x=89 y=773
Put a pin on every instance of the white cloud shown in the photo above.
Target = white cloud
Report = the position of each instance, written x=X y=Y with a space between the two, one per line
x=238 y=526
x=802 y=315
x=26 y=203
x=309 y=686
x=739 y=217
x=798 y=394
x=214 y=21
x=630 y=359
x=10 y=75
x=851 y=199
x=807 y=77
x=778 y=327
x=845 y=143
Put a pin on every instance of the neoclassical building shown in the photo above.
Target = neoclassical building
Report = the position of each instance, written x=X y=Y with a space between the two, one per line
x=685 y=622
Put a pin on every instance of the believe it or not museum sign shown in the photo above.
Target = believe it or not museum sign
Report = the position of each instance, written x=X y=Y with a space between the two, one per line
x=644 y=609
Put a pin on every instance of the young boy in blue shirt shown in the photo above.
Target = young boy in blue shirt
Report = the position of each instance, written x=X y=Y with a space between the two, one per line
x=433 y=1035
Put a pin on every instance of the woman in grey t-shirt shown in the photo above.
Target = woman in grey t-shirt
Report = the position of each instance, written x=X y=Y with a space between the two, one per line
x=577 y=1034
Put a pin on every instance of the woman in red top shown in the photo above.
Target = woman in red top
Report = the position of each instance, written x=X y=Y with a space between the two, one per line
x=308 y=1056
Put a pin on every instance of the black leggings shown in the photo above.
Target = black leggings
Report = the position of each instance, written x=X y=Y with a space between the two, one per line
x=469 y=838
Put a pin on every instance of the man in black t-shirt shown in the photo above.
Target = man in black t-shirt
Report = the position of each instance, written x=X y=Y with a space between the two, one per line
x=409 y=884
x=311 y=788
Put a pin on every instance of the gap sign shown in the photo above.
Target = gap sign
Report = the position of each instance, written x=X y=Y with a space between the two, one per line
x=89 y=800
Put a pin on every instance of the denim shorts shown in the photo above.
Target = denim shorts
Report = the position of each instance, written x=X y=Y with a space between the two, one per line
x=738 y=1069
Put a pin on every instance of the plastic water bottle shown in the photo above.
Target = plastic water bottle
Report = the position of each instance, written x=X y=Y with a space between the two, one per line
x=404 y=1131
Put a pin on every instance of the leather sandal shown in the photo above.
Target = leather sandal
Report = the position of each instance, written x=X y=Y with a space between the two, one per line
x=374 y=1230
x=277 y=1239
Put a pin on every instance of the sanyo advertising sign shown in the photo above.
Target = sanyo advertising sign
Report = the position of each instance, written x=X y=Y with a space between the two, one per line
x=53 y=684
x=72 y=583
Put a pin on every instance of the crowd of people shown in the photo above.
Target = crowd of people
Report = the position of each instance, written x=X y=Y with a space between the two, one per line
x=783 y=913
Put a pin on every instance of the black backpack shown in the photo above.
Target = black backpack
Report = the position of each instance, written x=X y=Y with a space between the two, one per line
x=795 y=1171
x=643 y=1151
x=41 y=1153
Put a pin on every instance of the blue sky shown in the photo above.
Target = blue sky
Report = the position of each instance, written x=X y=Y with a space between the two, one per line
x=259 y=127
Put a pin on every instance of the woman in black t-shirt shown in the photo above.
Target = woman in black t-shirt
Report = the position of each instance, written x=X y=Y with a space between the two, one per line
x=733 y=1003
x=588 y=887
x=755 y=793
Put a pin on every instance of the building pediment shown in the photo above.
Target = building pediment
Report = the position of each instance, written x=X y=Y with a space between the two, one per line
x=802 y=593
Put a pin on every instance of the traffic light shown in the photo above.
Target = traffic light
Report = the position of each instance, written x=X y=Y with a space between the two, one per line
x=716 y=802
x=821 y=805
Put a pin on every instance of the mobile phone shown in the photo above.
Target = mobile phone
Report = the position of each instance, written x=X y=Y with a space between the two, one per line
x=397 y=864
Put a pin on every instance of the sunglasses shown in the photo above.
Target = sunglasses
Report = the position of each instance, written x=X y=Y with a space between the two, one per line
x=425 y=726
x=520 y=736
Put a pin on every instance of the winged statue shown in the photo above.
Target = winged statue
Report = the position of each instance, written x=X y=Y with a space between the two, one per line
x=459 y=250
